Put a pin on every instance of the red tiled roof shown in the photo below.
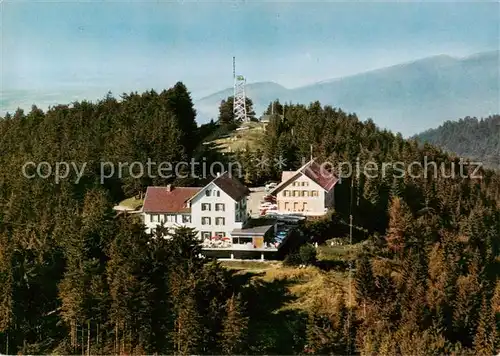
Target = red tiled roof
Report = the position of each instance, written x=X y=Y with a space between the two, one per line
x=320 y=175
x=314 y=171
x=160 y=200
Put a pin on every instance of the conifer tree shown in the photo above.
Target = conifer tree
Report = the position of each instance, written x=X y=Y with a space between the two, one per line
x=129 y=288
x=275 y=108
x=187 y=330
x=180 y=104
x=226 y=114
x=413 y=292
x=467 y=304
x=234 y=327
x=365 y=281
x=399 y=224
x=330 y=333
x=6 y=280
x=486 y=332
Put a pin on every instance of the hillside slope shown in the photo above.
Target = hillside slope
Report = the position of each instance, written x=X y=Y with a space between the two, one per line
x=470 y=137
x=408 y=98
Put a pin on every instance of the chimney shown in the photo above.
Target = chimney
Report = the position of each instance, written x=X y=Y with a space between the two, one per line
x=169 y=187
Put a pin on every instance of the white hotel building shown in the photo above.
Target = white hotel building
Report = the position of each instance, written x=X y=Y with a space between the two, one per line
x=218 y=212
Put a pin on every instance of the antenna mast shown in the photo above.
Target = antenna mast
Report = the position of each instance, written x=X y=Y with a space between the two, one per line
x=239 y=104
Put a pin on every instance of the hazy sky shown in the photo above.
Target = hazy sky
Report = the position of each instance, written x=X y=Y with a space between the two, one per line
x=121 y=46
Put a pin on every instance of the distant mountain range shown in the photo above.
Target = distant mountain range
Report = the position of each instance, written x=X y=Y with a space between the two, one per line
x=407 y=98
x=478 y=139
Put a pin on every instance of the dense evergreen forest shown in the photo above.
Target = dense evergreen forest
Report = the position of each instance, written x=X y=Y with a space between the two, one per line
x=76 y=278
x=478 y=139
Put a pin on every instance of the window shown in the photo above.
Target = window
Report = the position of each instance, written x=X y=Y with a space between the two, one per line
x=314 y=193
x=286 y=193
x=186 y=218
x=305 y=184
x=207 y=192
x=242 y=240
x=220 y=221
x=155 y=218
x=303 y=193
x=205 y=207
x=220 y=234
x=304 y=206
x=295 y=206
x=206 y=234
x=287 y=206
x=217 y=193
x=219 y=207
x=170 y=218
x=296 y=193
x=205 y=221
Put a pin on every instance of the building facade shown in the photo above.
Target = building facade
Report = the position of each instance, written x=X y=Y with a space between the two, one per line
x=168 y=206
x=308 y=191
x=219 y=208
x=218 y=214
x=213 y=211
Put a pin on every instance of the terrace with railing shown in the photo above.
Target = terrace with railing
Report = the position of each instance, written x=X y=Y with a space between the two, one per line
x=268 y=237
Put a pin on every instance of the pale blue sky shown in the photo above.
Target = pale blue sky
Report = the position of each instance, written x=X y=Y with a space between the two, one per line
x=92 y=47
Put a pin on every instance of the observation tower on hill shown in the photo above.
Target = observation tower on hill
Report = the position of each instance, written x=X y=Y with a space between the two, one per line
x=239 y=104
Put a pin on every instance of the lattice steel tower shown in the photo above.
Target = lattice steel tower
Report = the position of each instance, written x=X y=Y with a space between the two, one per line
x=239 y=105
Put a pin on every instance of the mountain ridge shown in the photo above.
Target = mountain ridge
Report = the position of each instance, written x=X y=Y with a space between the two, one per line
x=470 y=137
x=408 y=97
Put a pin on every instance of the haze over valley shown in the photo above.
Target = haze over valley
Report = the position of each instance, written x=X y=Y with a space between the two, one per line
x=409 y=98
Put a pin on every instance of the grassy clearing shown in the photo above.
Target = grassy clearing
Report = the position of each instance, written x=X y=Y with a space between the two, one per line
x=238 y=140
x=310 y=287
x=250 y=266
x=338 y=252
x=304 y=288
x=132 y=203
x=280 y=298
